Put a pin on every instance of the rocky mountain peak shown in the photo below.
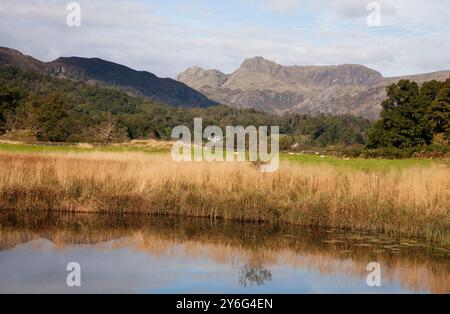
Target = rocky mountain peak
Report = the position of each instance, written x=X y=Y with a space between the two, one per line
x=198 y=77
x=189 y=72
x=346 y=74
x=260 y=65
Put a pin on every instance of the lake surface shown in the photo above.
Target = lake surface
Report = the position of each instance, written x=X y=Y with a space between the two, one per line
x=142 y=254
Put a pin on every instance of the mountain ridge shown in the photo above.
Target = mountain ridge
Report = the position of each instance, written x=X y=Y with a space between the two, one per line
x=105 y=73
x=266 y=85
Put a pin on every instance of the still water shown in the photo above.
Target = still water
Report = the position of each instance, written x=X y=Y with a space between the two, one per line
x=141 y=254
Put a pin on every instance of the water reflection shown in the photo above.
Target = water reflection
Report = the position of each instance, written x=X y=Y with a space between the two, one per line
x=134 y=253
x=254 y=274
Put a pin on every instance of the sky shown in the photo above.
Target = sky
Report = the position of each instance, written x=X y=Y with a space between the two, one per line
x=167 y=36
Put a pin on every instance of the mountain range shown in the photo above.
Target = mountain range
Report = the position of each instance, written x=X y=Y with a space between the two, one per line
x=258 y=83
x=99 y=72
x=265 y=85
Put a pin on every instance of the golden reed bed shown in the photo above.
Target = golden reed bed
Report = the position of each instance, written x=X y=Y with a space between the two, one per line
x=411 y=202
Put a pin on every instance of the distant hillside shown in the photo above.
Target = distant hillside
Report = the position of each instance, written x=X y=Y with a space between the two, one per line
x=266 y=85
x=96 y=71
x=34 y=106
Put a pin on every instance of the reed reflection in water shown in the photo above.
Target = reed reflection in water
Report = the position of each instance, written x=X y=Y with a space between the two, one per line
x=145 y=254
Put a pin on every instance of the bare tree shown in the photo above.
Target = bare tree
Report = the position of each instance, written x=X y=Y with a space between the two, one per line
x=108 y=131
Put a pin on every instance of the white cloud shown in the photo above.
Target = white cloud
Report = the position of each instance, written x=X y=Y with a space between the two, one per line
x=281 y=5
x=135 y=33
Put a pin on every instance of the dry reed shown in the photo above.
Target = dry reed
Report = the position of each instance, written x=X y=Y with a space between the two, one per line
x=412 y=202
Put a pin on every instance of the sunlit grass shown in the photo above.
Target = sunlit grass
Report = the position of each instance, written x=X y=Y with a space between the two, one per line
x=83 y=148
x=359 y=163
x=413 y=201
x=152 y=147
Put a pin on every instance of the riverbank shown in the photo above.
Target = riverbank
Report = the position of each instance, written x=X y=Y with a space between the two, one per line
x=408 y=201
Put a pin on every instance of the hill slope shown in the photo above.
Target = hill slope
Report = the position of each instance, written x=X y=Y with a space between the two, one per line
x=104 y=73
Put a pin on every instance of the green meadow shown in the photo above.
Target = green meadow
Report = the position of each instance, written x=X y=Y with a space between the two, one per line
x=298 y=158
x=67 y=148
x=360 y=163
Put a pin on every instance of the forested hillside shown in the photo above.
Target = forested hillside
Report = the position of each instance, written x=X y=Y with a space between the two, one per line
x=41 y=107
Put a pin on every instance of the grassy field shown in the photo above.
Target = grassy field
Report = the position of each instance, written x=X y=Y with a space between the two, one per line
x=144 y=147
x=152 y=147
x=361 y=164
x=412 y=198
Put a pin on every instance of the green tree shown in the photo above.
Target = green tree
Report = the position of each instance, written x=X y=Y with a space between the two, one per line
x=404 y=122
x=50 y=118
x=439 y=111
x=9 y=100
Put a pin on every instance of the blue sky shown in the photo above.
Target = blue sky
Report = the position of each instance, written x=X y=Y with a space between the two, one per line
x=166 y=37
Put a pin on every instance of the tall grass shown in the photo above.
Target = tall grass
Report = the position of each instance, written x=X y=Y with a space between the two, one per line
x=413 y=201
